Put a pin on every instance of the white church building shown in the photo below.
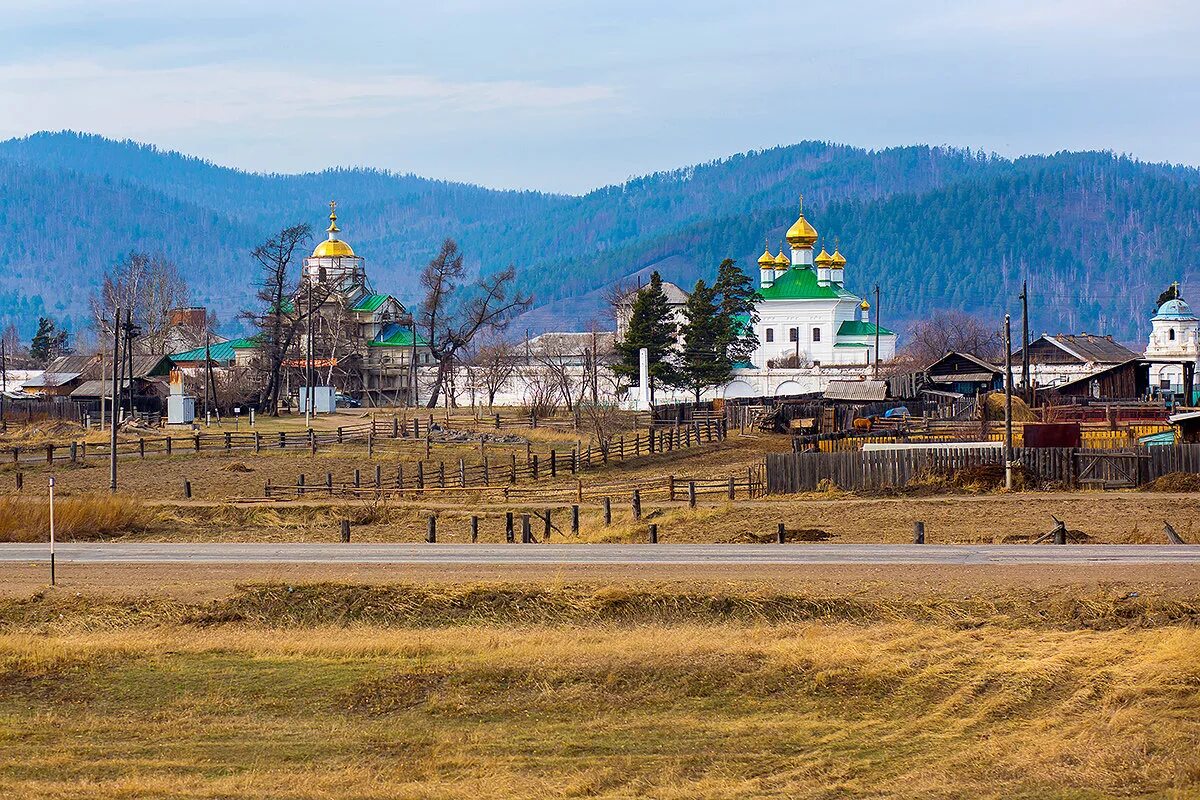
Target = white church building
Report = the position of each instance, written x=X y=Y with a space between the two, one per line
x=1174 y=329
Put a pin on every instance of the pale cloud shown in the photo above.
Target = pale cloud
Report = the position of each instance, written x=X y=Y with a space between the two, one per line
x=61 y=94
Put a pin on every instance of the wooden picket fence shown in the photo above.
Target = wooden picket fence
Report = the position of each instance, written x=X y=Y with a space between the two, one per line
x=788 y=473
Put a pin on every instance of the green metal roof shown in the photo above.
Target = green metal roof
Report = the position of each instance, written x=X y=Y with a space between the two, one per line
x=852 y=344
x=222 y=351
x=371 y=302
x=800 y=283
x=854 y=327
x=394 y=335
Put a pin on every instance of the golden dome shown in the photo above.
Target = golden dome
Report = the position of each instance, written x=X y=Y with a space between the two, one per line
x=332 y=247
x=782 y=261
x=837 y=259
x=864 y=305
x=823 y=259
x=802 y=234
x=766 y=260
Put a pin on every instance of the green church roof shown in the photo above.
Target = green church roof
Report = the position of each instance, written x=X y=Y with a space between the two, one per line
x=854 y=327
x=800 y=283
x=394 y=335
x=371 y=302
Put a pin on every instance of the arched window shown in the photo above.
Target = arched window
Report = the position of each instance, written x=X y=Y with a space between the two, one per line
x=770 y=334
x=1171 y=334
x=321 y=274
x=816 y=334
x=793 y=334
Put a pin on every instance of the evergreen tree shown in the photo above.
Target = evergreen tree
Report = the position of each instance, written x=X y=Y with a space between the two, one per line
x=704 y=361
x=736 y=306
x=652 y=326
x=48 y=343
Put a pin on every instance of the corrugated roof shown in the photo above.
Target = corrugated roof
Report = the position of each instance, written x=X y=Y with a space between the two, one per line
x=1088 y=347
x=856 y=390
x=371 y=302
x=48 y=380
x=219 y=352
x=95 y=388
x=75 y=364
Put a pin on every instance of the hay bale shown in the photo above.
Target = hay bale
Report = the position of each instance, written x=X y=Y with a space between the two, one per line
x=236 y=466
x=993 y=408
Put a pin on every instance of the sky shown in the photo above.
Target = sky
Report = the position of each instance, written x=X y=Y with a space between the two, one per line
x=565 y=96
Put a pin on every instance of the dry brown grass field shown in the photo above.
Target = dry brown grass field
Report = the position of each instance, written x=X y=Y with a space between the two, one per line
x=571 y=690
x=617 y=681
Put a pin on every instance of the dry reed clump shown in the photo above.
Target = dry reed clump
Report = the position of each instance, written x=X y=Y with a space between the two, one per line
x=82 y=518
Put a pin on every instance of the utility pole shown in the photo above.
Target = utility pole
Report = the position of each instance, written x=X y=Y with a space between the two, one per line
x=112 y=427
x=1025 y=338
x=877 y=318
x=4 y=389
x=207 y=359
x=308 y=356
x=1008 y=376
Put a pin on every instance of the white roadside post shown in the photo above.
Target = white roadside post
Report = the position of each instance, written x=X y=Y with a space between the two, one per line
x=51 y=530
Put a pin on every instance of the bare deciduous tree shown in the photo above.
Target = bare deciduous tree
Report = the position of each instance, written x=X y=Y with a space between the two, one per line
x=492 y=366
x=957 y=331
x=279 y=321
x=149 y=286
x=454 y=314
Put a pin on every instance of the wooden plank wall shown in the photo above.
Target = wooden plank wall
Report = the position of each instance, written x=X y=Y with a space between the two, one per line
x=856 y=470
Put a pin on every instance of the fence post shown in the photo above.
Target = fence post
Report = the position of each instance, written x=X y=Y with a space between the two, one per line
x=371 y=443
x=750 y=482
x=399 y=476
x=512 y=476
x=257 y=444
x=474 y=529
x=487 y=478
x=732 y=487
x=780 y=534
x=168 y=445
x=691 y=494
x=462 y=473
x=312 y=441
x=608 y=511
x=420 y=474
x=575 y=519
x=379 y=476
x=74 y=452
x=526 y=533
x=431 y=533
x=357 y=478
x=535 y=466
x=508 y=527
x=228 y=441
x=282 y=440
x=50 y=453
x=918 y=533
x=637 y=504
x=300 y=485
x=621 y=445
x=395 y=427
x=20 y=481
x=339 y=434
x=546 y=530
x=345 y=530
x=671 y=487
x=653 y=533
x=553 y=463
x=187 y=489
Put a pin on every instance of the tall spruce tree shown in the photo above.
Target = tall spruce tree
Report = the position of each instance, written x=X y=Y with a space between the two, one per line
x=652 y=326
x=704 y=361
x=48 y=343
x=736 y=298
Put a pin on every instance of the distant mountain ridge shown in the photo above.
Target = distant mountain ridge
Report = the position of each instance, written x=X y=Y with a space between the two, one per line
x=1098 y=236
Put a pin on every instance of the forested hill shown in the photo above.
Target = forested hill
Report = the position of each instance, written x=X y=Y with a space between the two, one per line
x=1098 y=236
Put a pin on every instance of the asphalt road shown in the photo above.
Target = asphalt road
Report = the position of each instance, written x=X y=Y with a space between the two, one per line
x=514 y=554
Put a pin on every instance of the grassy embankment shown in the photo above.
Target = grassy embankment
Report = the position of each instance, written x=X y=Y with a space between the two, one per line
x=517 y=691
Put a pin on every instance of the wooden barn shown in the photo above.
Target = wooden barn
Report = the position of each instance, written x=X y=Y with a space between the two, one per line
x=963 y=373
x=1127 y=381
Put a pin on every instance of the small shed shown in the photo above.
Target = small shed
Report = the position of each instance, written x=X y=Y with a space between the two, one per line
x=1128 y=380
x=964 y=374
x=1188 y=425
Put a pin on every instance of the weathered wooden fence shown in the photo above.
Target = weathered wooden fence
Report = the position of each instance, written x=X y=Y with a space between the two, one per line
x=1071 y=467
